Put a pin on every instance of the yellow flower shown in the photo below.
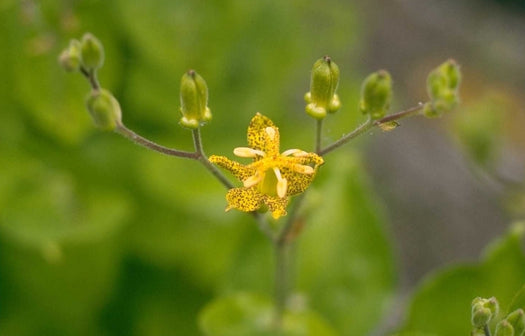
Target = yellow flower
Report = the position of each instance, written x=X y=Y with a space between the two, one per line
x=272 y=176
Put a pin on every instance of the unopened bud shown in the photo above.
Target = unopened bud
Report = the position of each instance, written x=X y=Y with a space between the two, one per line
x=517 y=320
x=194 y=100
x=91 y=52
x=483 y=310
x=322 y=98
x=104 y=109
x=504 y=328
x=376 y=94
x=480 y=317
x=442 y=86
x=69 y=59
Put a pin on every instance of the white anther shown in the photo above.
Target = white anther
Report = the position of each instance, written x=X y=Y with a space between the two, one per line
x=252 y=180
x=282 y=188
x=303 y=169
x=294 y=152
x=282 y=183
x=247 y=152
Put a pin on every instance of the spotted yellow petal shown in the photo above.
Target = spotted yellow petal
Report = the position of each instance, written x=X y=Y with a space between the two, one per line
x=297 y=182
x=244 y=199
x=263 y=135
x=276 y=205
x=240 y=171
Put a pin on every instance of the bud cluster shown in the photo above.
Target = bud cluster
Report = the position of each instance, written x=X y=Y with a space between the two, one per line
x=512 y=325
x=483 y=310
x=86 y=55
x=442 y=86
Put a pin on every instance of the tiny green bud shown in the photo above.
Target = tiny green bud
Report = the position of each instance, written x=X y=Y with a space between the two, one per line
x=323 y=84
x=481 y=316
x=91 y=52
x=376 y=94
x=517 y=320
x=504 y=328
x=69 y=58
x=194 y=100
x=442 y=86
x=104 y=109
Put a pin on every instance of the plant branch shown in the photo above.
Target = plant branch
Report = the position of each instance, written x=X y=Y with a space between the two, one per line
x=281 y=284
x=486 y=330
x=201 y=156
x=262 y=223
x=140 y=140
x=91 y=77
x=368 y=124
x=282 y=237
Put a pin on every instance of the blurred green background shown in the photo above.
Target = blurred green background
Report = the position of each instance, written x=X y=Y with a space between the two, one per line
x=101 y=237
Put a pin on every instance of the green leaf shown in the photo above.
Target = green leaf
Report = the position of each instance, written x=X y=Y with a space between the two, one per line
x=441 y=305
x=518 y=301
x=251 y=314
x=41 y=206
x=345 y=261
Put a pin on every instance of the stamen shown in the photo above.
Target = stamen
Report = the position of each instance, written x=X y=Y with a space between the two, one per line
x=253 y=180
x=282 y=183
x=294 y=152
x=303 y=169
x=282 y=188
x=271 y=132
x=247 y=152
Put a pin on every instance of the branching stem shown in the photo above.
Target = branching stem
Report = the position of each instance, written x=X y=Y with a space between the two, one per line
x=201 y=156
x=368 y=124
x=140 y=140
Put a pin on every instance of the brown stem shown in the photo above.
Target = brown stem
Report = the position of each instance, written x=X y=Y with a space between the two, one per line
x=140 y=140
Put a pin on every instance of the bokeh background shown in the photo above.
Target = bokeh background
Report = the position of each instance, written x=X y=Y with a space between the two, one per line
x=101 y=237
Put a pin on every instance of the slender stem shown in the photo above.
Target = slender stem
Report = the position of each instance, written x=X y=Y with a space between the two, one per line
x=402 y=114
x=281 y=283
x=139 y=140
x=368 y=124
x=281 y=245
x=201 y=156
x=282 y=237
x=263 y=225
x=92 y=78
x=486 y=330
x=318 y=135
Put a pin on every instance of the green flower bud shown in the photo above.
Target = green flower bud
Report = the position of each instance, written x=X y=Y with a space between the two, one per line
x=442 y=86
x=323 y=84
x=483 y=310
x=480 y=317
x=69 y=59
x=91 y=52
x=194 y=100
x=376 y=94
x=517 y=320
x=504 y=328
x=104 y=109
